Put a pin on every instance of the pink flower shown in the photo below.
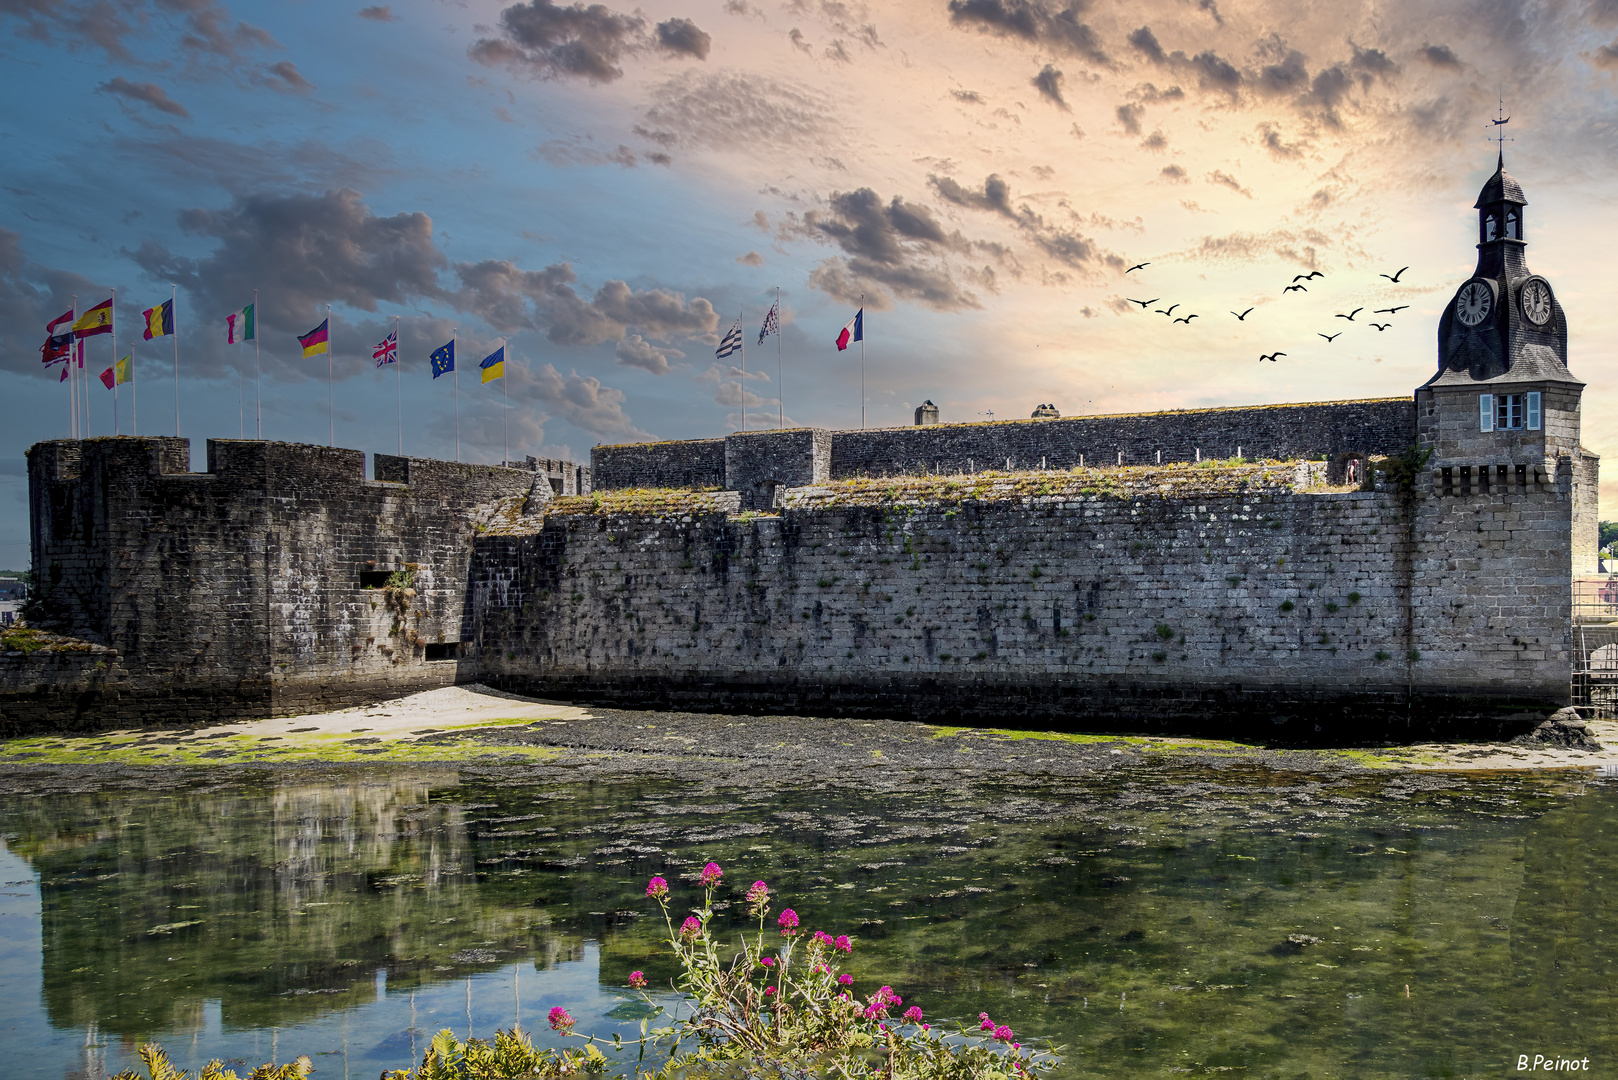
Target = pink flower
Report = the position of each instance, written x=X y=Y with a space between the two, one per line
x=926 y=1027
x=788 y=922
x=913 y=1014
x=1002 y=1033
x=842 y=944
x=846 y=979
x=768 y=991
x=637 y=979
x=560 y=1020
x=758 y=892
x=657 y=888
x=767 y=961
x=821 y=938
x=987 y=1025
x=711 y=874
x=690 y=928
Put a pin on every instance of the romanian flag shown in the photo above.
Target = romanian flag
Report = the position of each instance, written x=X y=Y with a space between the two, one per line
x=159 y=320
x=314 y=342
x=240 y=326
x=98 y=320
x=494 y=365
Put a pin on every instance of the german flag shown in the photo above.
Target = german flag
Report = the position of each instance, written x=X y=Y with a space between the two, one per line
x=159 y=320
x=314 y=342
x=98 y=320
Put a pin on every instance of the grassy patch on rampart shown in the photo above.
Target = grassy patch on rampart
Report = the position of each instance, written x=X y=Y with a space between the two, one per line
x=646 y=501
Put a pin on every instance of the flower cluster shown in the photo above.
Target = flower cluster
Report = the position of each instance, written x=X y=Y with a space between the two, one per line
x=657 y=888
x=637 y=979
x=788 y=922
x=999 y=1032
x=560 y=1020
x=711 y=875
x=881 y=1001
x=691 y=929
x=758 y=899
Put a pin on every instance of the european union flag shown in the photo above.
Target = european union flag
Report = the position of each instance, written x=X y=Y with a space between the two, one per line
x=443 y=359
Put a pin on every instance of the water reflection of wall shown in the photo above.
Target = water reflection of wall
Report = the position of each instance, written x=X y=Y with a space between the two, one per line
x=278 y=903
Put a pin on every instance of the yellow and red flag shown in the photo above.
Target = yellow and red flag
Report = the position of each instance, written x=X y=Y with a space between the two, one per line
x=98 y=320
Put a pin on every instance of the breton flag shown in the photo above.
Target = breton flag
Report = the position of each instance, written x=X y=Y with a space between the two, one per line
x=386 y=351
x=443 y=359
x=239 y=326
x=98 y=320
x=159 y=320
x=772 y=323
x=494 y=365
x=854 y=331
x=314 y=342
x=731 y=342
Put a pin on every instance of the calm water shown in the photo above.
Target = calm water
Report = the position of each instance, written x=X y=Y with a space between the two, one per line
x=1140 y=920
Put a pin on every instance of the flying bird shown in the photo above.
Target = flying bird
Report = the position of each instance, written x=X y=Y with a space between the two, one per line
x=1271 y=357
x=1170 y=310
x=1332 y=337
x=1381 y=325
x=1395 y=277
x=1144 y=304
x=1294 y=288
x=1390 y=310
x=1137 y=266
x=1243 y=316
x=1310 y=276
x=1186 y=320
x=1351 y=314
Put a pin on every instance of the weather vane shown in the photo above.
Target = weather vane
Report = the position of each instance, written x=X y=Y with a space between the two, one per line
x=1499 y=136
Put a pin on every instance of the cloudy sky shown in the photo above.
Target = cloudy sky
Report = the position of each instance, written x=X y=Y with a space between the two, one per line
x=609 y=186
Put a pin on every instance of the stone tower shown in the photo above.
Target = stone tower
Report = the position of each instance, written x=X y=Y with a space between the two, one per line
x=1501 y=414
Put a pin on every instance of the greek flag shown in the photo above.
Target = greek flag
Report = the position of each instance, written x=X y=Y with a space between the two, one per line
x=731 y=342
x=772 y=324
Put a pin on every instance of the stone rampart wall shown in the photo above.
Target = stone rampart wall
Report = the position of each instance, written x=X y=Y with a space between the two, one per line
x=1107 y=598
x=693 y=463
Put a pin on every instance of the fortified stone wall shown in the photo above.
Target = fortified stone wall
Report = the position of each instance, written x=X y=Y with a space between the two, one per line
x=257 y=587
x=1324 y=430
x=1113 y=598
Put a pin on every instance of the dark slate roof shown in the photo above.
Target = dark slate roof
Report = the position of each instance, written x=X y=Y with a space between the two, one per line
x=1500 y=188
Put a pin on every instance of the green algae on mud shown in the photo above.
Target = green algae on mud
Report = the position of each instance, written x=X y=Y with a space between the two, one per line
x=161 y=747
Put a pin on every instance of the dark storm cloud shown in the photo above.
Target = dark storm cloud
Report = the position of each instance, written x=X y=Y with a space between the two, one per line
x=1049 y=84
x=1287 y=77
x=1064 y=245
x=681 y=37
x=1032 y=21
x=1129 y=115
x=889 y=244
x=302 y=252
x=580 y=41
x=511 y=298
x=149 y=93
x=1440 y=56
x=1270 y=138
x=1213 y=72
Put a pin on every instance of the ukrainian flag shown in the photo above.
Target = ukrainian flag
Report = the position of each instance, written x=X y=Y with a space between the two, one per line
x=494 y=365
x=314 y=342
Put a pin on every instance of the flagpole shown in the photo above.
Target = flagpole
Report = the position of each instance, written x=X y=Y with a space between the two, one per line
x=72 y=387
x=780 y=383
x=505 y=431
x=174 y=324
x=258 y=377
x=114 y=324
x=331 y=422
x=862 y=361
x=740 y=313
x=398 y=381
x=454 y=343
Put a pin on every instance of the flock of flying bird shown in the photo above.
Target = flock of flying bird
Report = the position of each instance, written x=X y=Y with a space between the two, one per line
x=1296 y=286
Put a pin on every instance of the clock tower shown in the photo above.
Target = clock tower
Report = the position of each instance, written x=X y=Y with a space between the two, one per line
x=1501 y=414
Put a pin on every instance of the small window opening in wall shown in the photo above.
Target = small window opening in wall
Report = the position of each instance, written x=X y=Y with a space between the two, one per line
x=444 y=650
x=1508 y=412
x=374 y=579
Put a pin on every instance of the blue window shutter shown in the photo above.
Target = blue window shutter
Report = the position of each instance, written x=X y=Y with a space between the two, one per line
x=1485 y=412
x=1533 y=410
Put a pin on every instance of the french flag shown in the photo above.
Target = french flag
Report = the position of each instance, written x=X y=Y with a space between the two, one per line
x=854 y=331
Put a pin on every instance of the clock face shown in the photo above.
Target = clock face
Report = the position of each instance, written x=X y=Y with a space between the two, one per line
x=1536 y=301
x=1473 y=303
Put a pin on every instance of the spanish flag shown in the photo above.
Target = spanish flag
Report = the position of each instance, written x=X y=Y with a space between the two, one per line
x=314 y=342
x=494 y=365
x=159 y=320
x=98 y=320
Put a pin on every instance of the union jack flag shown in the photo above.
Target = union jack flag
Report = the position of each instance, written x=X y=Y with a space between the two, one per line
x=772 y=323
x=386 y=350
